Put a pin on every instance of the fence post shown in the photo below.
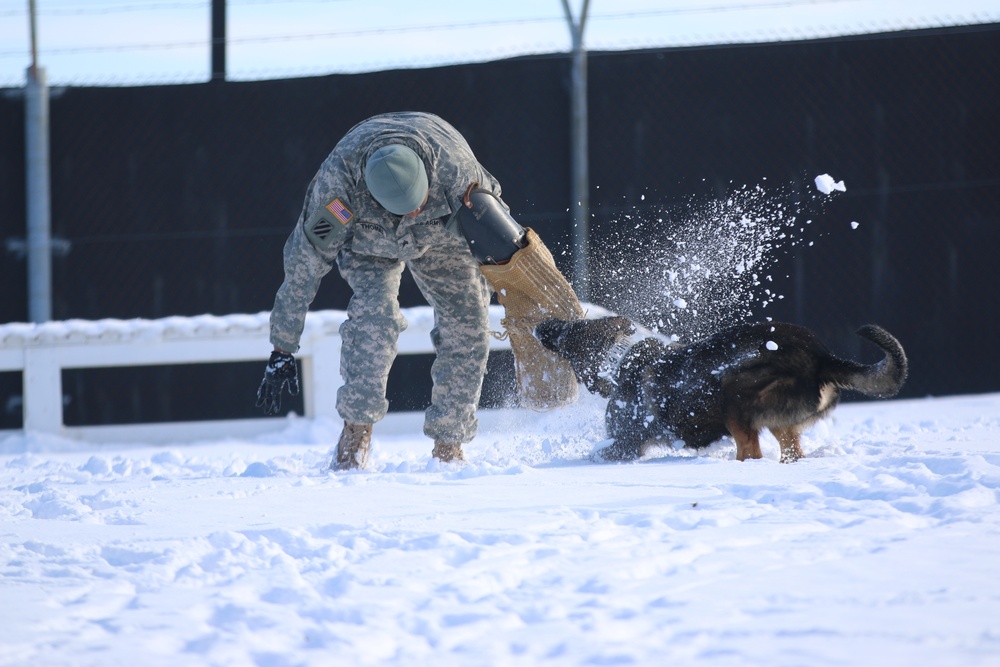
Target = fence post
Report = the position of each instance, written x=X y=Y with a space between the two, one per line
x=39 y=223
x=321 y=378
x=42 y=381
x=580 y=170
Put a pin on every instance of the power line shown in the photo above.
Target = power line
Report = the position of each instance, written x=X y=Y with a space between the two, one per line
x=154 y=6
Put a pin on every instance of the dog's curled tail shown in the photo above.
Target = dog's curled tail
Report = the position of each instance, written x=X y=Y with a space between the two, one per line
x=882 y=379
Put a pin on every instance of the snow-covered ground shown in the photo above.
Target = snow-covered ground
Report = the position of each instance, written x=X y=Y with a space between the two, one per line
x=881 y=547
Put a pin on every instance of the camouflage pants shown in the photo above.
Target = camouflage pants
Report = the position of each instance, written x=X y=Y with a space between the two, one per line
x=451 y=282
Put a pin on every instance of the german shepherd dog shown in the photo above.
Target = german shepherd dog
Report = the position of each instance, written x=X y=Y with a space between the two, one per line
x=738 y=381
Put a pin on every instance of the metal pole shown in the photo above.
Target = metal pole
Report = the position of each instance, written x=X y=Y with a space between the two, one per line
x=33 y=33
x=39 y=223
x=218 y=40
x=579 y=171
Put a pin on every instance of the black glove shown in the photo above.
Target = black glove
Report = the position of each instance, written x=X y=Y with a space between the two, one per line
x=281 y=372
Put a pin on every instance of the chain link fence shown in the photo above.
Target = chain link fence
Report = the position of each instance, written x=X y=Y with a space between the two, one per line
x=176 y=200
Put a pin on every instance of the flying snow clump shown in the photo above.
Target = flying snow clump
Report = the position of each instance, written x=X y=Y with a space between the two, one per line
x=826 y=184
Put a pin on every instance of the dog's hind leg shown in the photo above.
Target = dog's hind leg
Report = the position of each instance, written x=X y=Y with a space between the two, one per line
x=747 y=440
x=788 y=438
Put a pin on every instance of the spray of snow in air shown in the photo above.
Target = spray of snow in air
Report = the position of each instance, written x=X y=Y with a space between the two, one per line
x=691 y=269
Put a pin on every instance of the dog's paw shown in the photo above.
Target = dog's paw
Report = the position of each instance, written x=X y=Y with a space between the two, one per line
x=791 y=457
x=614 y=453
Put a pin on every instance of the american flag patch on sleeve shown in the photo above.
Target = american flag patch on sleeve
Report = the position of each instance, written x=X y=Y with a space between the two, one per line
x=340 y=212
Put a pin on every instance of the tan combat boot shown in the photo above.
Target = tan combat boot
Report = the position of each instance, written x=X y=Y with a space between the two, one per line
x=353 y=448
x=447 y=452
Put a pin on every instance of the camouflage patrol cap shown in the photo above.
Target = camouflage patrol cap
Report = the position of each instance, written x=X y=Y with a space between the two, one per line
x=396 y=177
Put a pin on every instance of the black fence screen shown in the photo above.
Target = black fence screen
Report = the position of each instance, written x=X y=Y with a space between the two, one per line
x=176 y=200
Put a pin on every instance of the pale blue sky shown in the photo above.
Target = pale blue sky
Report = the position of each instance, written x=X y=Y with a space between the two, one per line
x=129 y=42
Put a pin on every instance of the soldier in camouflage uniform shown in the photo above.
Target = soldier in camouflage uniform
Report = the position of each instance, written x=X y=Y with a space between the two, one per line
x=385 y=198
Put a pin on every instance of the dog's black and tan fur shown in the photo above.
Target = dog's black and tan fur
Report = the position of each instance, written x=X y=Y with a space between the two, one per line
x=776 y=376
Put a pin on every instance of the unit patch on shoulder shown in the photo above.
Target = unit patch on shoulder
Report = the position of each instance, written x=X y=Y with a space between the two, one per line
x=340 y=212
x=327 y=226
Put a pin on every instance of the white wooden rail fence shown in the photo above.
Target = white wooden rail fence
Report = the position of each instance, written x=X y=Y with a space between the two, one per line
x=42 y=351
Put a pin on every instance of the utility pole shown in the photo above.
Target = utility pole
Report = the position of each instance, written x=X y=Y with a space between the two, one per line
x=218 y=40
x=579 y=170
x=37 y=176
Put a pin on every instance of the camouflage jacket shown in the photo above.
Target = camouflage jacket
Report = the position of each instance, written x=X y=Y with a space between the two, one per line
x=340 y=214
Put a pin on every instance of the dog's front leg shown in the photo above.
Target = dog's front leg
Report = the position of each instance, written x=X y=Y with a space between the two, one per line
x=747 y=440
x=626 y=446
x=619 y=451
